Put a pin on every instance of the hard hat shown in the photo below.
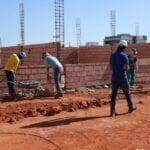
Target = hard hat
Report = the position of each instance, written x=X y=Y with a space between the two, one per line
x=22 y=55
x=123 y=43
x=134 y=50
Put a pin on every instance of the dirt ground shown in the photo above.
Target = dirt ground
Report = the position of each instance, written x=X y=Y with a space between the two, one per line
x=79 y=121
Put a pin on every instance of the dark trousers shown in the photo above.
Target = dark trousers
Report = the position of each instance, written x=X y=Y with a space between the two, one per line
x=10 y=82
x=116 y=84
x=57 y=77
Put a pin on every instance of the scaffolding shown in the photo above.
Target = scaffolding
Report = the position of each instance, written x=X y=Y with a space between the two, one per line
x=59 y=22
x=21 y=13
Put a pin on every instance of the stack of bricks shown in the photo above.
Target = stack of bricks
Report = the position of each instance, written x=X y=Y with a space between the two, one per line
x=80 y=75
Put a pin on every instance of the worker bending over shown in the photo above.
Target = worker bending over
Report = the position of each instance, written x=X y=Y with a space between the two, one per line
x=119 y=64
x=10 y=69
x=53 y=62
x=133 y=67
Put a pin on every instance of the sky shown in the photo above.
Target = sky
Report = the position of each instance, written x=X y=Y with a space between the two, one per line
x=94 y=15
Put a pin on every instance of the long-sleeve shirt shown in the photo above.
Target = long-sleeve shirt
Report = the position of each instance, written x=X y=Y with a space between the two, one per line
x=118 y=61
x=12 y=63
x=53 y=62
x=133 y=62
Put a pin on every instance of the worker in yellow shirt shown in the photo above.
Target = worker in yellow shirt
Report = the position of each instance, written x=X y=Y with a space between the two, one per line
x=10 y=70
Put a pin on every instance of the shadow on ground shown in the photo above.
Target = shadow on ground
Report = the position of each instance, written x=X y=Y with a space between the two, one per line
x=65 y=121
x=61 y=121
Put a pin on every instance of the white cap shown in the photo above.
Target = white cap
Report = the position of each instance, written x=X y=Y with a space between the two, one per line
x=123 y=43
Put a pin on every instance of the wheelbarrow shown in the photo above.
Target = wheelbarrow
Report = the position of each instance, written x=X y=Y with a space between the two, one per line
x=28 y=87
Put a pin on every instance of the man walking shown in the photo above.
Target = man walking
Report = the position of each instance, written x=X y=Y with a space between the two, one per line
x=133 y=67
x=53 y=62
x=119 y=64
x=10 y=69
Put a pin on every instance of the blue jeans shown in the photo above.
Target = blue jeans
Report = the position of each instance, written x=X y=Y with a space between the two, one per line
x=116 y=84
x=10 y=82
x=57 y=77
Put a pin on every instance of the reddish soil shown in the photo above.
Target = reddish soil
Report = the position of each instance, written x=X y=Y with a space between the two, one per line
x=68 y=124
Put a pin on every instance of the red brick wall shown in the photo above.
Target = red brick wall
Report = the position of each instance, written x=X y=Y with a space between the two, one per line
x=143 y=75
x=92 y=54
x=0 y=57
x=33 y=57
x=99 y=54
x=92 y=67
x=80 y=75
x=69 y=55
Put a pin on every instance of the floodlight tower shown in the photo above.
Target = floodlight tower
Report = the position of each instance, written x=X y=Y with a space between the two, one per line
x=137 y=29
x=59 y=22
x=21 y=13
x=78 y=31
x=113 y=22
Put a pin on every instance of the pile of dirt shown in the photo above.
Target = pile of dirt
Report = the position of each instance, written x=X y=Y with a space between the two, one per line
x=73 y=100
x=19 y=110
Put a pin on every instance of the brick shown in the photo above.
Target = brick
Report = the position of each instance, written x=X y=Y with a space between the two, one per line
x=34 y=71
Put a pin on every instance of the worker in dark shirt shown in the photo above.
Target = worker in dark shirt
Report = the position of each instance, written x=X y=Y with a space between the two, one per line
x=133 y=67
x=119 y=64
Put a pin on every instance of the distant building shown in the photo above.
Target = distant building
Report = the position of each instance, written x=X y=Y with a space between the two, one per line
x=92 y=44
x=132 y=39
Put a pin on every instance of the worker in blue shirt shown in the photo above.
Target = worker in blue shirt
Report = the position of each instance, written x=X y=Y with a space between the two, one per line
x=119 y=65
x=51 y=61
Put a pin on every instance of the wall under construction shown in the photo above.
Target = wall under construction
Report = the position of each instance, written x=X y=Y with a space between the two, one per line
x=34 y=53
x=80 y=75
x=84 y=66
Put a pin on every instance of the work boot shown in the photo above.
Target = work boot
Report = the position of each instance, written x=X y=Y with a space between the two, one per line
x=132 y=87
x=112 y=113
x=58 y=95
x=131 y=109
